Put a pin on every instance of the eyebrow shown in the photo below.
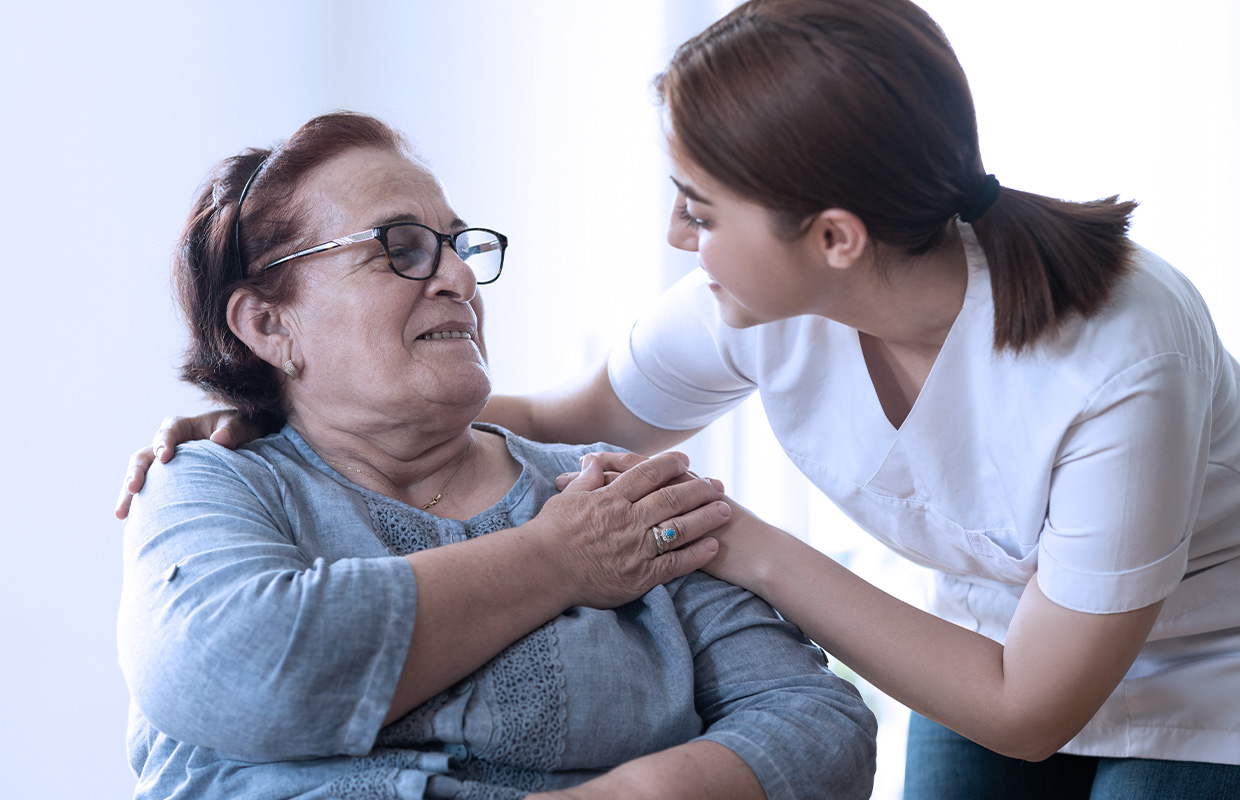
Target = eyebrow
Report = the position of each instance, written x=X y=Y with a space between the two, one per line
x=456 y=224
x=690 y=193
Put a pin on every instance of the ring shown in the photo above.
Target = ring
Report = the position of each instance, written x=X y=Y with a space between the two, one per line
x=663 y=536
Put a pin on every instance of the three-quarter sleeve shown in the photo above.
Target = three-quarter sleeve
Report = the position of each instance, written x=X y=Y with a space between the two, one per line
x=234 y=638
x=1126 y=488
x=764 y=692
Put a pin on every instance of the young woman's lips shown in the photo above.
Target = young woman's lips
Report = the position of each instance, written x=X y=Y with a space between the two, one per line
x=713 y=285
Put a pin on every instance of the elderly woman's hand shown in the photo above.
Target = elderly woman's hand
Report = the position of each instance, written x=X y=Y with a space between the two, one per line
x=604 y=545
x=226 y=428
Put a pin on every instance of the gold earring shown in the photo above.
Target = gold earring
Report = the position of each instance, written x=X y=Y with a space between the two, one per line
x=290 y=369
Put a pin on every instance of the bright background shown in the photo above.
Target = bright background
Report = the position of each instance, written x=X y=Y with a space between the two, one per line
x=538 y=117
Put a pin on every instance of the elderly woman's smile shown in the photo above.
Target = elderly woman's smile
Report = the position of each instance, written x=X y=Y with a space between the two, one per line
x=447 y=334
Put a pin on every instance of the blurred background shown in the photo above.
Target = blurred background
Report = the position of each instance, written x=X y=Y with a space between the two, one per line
x=538 y=117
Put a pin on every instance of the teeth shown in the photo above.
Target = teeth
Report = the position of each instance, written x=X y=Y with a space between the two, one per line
x=447 y=335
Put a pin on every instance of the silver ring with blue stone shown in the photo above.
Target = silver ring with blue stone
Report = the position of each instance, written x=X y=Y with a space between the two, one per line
x=663 y=536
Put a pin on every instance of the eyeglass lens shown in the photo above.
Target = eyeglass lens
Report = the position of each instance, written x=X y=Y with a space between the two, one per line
x=412 y=250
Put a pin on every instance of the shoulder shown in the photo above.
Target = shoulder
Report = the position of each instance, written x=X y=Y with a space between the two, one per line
x=1159 y=308
x=269 y=473
x=201 y=459
x=1155 y=322
x=1153 y=310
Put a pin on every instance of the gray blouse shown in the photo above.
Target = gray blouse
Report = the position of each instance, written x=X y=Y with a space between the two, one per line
x=266 y=613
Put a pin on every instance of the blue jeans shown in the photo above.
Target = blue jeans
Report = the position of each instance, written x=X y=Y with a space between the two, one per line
x=943 y=765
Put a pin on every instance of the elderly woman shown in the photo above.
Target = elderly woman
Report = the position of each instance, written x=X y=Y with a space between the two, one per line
x=384 y=599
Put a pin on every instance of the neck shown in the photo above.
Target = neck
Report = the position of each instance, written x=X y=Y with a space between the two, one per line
x=407 y=463
x=913 y=304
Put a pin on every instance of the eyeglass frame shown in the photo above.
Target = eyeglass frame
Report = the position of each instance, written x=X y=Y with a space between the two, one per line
x=379 y=233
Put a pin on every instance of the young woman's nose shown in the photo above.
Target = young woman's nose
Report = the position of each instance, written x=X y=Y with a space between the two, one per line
x=680 y=234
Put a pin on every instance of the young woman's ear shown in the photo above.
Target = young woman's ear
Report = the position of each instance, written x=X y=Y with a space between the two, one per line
x=839 y=236
x=262 y=326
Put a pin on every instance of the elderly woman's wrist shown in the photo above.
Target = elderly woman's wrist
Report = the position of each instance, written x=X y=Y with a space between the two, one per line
x=547 y=564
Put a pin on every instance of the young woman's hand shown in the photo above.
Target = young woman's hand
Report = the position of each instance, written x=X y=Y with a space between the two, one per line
x=226 y=428
x=601 y=528
x=613 y=464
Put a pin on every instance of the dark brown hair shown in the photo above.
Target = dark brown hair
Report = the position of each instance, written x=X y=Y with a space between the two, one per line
x=205 y=269
x=805 y=105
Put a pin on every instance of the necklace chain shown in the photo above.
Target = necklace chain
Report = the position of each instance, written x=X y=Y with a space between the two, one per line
x=363 y=472
x=460 y=461
x=438 y=496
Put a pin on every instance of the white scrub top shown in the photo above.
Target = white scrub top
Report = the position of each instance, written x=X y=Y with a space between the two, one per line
x=1106 y=460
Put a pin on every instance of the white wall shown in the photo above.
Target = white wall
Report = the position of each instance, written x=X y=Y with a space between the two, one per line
x=112 y=113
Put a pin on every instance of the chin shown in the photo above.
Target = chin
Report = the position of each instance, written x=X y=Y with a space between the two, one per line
x=733 y=314
x=735 y=317
x=478 y=390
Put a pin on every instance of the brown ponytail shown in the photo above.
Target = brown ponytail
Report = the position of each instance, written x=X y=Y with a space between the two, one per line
x=804 y=105
x=1049 y=259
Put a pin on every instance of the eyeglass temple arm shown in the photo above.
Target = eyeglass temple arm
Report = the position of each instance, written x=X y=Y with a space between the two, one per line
x=352 y=238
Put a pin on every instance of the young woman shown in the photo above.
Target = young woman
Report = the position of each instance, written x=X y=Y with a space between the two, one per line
x=997 y=385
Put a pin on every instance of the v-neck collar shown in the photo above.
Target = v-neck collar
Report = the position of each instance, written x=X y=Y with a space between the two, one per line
x=977 y=303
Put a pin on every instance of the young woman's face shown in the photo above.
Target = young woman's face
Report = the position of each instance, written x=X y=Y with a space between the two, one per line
x=756 y=277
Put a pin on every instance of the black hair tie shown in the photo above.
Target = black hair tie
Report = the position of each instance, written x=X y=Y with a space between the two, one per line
x=985 y=199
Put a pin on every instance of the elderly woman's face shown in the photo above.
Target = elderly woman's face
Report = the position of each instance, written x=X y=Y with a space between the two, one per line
x=372 y=345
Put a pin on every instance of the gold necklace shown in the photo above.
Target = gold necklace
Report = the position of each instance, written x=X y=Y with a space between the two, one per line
x=459 y=462
x=364 y=472
x=439 y=496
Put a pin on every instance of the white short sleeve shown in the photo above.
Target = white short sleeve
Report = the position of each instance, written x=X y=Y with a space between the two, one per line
x=681 y=367
x=1126 y=489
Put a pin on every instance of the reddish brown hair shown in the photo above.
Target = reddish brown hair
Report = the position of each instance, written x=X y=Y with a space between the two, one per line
x=805 y=105
x=205 y=267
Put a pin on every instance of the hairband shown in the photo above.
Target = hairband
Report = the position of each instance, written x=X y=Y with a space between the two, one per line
x=985 y=199
x=237 y=227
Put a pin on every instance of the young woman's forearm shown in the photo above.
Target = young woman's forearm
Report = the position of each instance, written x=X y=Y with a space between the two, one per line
x=514 y=412
x=583 y=412
x=1025 y=699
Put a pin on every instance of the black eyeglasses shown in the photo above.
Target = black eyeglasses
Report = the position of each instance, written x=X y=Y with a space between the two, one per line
x=413 y=249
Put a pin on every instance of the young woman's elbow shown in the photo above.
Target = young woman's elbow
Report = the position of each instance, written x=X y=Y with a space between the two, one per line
x=1027 y=743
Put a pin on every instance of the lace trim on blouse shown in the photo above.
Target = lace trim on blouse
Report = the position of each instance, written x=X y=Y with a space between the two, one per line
x=523 y=686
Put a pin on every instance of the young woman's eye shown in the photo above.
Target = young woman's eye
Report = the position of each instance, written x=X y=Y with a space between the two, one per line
x=693 y=222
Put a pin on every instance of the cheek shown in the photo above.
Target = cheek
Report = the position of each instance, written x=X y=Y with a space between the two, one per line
x=360 y=329
x=480 y=318
x=719 y=259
